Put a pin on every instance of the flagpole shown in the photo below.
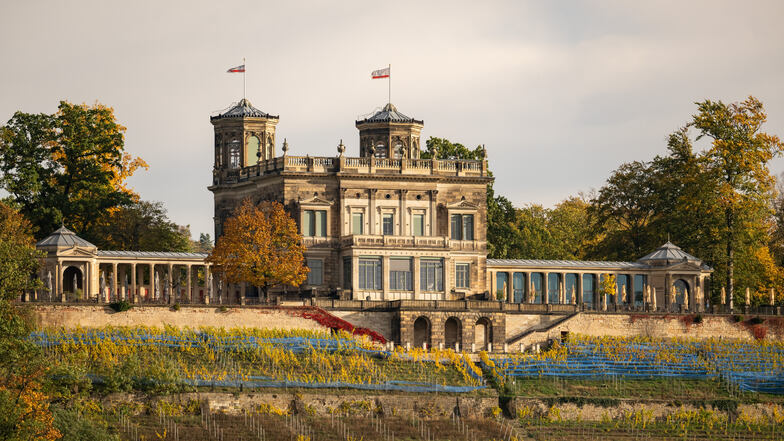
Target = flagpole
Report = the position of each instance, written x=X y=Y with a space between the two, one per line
x=244 y=69
x=389 y=95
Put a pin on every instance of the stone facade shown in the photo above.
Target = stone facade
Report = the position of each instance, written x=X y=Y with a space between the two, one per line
x=365 y=217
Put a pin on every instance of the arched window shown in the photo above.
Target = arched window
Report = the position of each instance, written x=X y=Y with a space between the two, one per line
x=397 y=151
x=234 y=154
x=252 y=151
x=453 y=333
x=381 y=150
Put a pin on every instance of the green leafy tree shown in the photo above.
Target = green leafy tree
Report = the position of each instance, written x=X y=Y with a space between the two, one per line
x=205 y=243
x=18 y=255
x=67 y=167
x=738 y=163
x=140 y=226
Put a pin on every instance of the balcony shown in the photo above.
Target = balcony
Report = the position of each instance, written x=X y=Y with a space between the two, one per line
x=419 y=242
x=347 y=165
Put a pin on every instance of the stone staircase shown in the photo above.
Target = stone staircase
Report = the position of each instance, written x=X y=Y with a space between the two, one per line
x=540 y=331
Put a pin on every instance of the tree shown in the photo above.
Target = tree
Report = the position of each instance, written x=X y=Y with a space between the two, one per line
x=140 y=226
x=261 y=246
x=738 y=163
x=67 y=167
x=204 y=245
x=607 y=287
x=24 y=409
x=17 y=253
x=441 y=148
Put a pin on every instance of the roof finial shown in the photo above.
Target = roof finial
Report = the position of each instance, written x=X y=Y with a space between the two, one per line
x=285 y=146
x=341 y=148
x=668 y=236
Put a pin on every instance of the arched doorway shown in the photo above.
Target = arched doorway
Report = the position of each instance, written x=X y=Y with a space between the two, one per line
x=72 y=282
x=483 y=334
x=422 y=332
x=453 y=333
x=681 y=292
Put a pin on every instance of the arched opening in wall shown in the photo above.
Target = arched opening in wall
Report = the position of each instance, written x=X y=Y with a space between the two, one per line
x=681 y=292
x=453 y=333
x=397 y=150
x=381 y=150
x=72 y=282
x=253 y=151
x=422 y=332
x=234 y=154
x=483 y=334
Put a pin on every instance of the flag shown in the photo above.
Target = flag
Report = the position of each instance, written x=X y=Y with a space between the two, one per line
x=240 y=68
x=381 y=73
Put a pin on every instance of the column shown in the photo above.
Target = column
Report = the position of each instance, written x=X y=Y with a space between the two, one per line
x=385 y=278
x=433 y=214
x=172 y=295
x=372 y=212
x=132 y=297
x=448 y=264
x=355 y=277
x=545 y=288
x=562 y=288
x=491 y=283
x=667 y=287
x=403 y=215
x=59 y=278
x=529 y=288
x=188 y=292
x=510 y=287
x=114 y=282
x=578 y=290
x=153 y=286
x=209 y=284
x=415 y=277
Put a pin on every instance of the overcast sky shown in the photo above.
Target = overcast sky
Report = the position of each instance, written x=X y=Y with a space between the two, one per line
x=561 y=93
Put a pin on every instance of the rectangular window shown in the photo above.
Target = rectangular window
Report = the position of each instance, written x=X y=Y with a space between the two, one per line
x=431 y=275
x=462 y=278
x=400 y=274
x=462 y=226
x=388 y=224
x=314 y=223
x=357 y=223
x=347 y=272
x=316 y=274
x=418 y=226
x=457 y=226
x=468 y=227
x=370 y=273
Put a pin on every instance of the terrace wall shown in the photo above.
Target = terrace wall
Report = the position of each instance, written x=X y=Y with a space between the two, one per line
x=91 y=316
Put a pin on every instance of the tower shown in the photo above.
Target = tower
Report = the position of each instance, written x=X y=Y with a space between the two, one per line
x=389 y=134
x=244 y=136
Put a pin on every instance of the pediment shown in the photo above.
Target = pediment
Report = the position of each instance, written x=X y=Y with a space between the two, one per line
x=463 y=205
x=684 y=266
x=76 y=252
x=316 y=201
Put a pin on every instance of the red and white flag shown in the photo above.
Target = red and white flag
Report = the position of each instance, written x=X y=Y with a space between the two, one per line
x=381 y=73
x=240 y=68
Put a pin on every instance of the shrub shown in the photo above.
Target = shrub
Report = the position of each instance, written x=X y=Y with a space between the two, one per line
x=223 y=308
x=698 y=319
x=736 y=318
x=755 y=321
x=175 y=307
x=120 y=306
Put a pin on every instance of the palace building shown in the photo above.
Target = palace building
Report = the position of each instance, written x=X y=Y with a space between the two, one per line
x=385 y=225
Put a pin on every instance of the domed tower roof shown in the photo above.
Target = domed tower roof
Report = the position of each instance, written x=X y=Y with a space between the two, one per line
x=243 y=109
x=388 y=133
x=389 y=114
x=63 y=238
x=668 y=254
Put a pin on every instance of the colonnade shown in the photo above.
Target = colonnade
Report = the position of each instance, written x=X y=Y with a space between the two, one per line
x=636 y=290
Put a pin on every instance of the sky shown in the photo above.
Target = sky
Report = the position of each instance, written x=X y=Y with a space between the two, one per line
x=560 y=93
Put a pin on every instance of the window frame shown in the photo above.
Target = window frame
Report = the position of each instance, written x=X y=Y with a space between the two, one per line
x=467 y=278
x=429 y=271
x=308 y=261
x=364 y=263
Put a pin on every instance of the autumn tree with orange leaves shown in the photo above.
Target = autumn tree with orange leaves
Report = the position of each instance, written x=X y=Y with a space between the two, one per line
x=261 y=246
x=68 y=167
